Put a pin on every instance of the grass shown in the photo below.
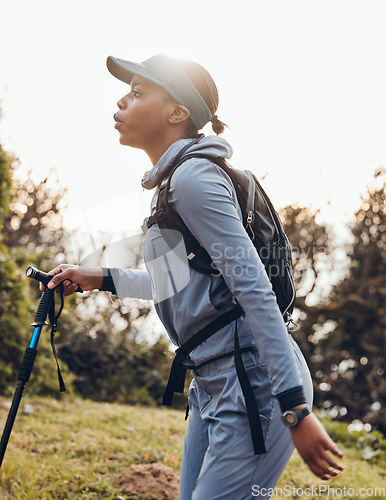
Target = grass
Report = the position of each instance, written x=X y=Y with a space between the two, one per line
x=75 y=449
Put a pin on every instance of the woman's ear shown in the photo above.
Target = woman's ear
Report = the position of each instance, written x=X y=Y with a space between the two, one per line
x=178 y=115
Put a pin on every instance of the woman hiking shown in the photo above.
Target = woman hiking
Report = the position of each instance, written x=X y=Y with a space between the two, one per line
x=167 y=105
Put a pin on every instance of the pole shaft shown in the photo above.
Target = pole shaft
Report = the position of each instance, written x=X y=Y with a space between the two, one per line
x=23 y=378
x=35 y=337
x=11 y=418
x=29 y=355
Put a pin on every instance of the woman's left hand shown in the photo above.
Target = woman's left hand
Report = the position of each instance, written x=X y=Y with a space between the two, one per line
x=313 y=444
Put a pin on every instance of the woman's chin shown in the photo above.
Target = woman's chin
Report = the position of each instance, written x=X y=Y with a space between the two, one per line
x=124 y=141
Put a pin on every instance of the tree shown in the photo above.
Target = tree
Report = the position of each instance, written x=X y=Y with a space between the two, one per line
x=97 y=337
x=34 y=220
x=109 y=363
x=343 y=337
x=17 y=307
x=311 y=247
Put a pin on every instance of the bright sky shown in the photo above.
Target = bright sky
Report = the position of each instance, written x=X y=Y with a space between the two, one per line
x=302 y=85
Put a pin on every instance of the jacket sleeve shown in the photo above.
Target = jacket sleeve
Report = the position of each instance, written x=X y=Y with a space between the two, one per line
x=204 y=197
x=134 y=283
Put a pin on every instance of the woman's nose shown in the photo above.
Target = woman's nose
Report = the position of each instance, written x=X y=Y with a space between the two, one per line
x=121 y=103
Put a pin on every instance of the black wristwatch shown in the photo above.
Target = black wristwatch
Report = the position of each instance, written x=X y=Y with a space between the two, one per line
x=291 y=418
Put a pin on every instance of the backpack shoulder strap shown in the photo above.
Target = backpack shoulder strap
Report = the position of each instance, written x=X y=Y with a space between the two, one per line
x=168 y=219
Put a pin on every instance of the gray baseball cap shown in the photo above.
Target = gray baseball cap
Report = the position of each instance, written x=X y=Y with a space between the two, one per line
x=166 y=72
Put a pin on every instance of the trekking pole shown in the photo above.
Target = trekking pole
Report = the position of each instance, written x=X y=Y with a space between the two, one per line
x=46 y=301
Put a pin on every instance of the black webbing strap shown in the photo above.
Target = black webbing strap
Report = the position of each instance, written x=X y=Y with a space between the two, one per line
x=222 y=356
x=250 y=401
x=177 y=375
x=54 y=327
x=155 y=219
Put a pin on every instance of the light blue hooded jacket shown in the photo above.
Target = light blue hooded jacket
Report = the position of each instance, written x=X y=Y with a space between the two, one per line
x=186 y=300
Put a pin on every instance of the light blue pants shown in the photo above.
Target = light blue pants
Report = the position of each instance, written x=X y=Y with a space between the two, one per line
x=218 y=460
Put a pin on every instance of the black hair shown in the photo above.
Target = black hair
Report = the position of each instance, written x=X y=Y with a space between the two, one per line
x=205 y=85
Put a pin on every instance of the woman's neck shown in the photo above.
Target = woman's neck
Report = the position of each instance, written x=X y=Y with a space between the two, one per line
x=158 y=148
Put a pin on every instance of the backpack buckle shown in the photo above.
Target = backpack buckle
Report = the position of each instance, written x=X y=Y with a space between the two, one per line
x=159 y=215
x=153 y=219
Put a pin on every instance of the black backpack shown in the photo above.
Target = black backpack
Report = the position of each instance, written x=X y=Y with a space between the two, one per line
x=261 y=222
x=264 y=227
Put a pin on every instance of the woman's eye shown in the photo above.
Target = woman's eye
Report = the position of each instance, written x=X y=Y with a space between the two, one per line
x=135 y=93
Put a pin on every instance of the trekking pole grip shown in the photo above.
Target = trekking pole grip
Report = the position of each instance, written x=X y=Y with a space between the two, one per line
x=43 y=307
x=43 y=277
x=45 y=299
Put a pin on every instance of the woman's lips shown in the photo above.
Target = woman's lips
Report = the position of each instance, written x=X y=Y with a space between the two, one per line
x=117 y=124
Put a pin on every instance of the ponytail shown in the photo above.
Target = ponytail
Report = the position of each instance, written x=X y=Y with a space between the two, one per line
x=218 y=126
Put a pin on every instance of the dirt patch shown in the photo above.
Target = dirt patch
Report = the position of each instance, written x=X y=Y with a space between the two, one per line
x=149 y=481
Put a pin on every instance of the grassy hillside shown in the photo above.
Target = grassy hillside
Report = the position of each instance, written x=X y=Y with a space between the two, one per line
x=76 y=449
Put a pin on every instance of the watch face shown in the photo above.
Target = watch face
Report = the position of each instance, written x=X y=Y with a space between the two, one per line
x=291 y=418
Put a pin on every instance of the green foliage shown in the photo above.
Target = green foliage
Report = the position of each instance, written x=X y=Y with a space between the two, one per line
x=371 y=446
x=34 y=218
x=18 y=296
x=15 y=313
x=108 y=362
x=15 y=305
x=6 y=193
x=17 y=310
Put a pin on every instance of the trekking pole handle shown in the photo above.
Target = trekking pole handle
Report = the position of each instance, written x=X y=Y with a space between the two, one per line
x=45 y=299
x=34 y=273
x=47 y=295
x=43 y=277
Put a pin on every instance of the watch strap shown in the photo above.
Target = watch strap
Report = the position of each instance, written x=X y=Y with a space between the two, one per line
x=299 y=414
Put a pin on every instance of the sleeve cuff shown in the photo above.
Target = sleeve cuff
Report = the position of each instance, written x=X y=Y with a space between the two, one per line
x=110 y=280
x=292 y=397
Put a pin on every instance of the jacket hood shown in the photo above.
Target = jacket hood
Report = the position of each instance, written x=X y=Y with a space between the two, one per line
x=210 y=145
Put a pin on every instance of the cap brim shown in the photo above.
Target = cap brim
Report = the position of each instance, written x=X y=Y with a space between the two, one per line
x=124 y=70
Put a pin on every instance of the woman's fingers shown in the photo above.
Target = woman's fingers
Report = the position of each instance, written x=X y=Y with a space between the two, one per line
x=334 y=449
x=314 y=446
x=71 y=276
x=333 y=463
x=320 y=467
x=54 y=272
x=320 y=472
x=329 y=445
x=62 y=274
x=325 y=465
x=59 y=277
x=69 y=287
